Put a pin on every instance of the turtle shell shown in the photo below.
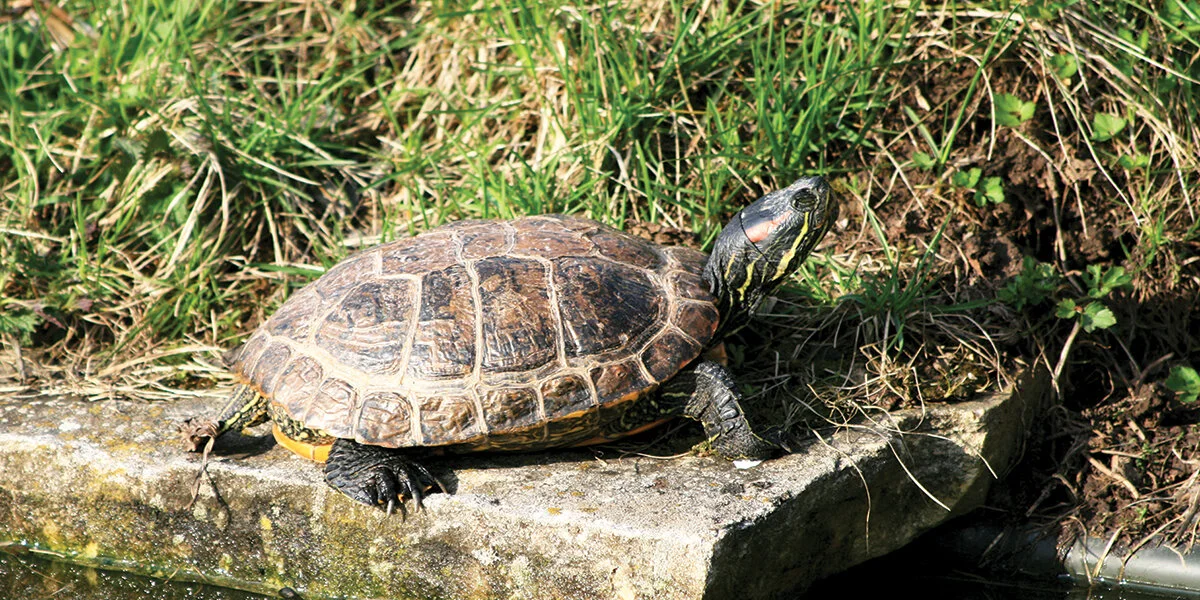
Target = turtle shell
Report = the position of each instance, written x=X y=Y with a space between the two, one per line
x=485 y=333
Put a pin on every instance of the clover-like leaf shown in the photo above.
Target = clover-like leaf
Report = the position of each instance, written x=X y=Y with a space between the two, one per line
x=1185 y=382
x=991 y=189
x=1097 y=316
x=1101 y=281
x=1066 y=309
x=968 y=178
x=1106 y=126
x=923 y=161
x=1036 y=282
x=1012 y=111
x=1135 y=161
x=1064 y=65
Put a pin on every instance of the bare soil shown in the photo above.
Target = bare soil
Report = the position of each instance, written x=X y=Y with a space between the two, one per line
x=1118 y=457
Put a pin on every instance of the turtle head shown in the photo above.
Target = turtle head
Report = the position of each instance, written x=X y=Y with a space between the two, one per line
x=763 y=244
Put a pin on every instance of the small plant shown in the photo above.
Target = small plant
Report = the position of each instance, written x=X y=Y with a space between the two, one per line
x=1011 y=111
x=1134 y=161
x=968 y=178
x=1106 y=126
x=1094 y=314
x=923 y=161
x=987 y=189
x=17 y=322
x=1101 y=282
x=1064 y=65
x=990 y=189
x=1036 y=282
x=1185 y=382
x=1091 y=315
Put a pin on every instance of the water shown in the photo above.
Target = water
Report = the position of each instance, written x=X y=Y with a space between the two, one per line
x=24 y=576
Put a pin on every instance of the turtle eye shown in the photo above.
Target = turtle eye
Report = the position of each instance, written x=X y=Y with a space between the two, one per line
x=807 y=193
x=804 y=200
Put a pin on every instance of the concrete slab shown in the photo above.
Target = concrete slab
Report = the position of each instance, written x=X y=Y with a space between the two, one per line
x=106 y=483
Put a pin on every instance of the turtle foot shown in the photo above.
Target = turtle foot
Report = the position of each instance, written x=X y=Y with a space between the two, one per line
x=379 y=477
x=715 y=402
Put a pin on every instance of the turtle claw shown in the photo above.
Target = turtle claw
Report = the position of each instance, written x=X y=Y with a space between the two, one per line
x=389 y=491
x=383 y=488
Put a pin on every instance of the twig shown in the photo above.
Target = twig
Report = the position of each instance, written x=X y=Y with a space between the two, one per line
x=1062 y=357
x=20 y=360
x=1125 y=483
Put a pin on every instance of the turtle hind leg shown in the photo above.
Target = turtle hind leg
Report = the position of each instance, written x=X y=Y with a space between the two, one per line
x=376 y=476
x=245 y=408
x=715 y=402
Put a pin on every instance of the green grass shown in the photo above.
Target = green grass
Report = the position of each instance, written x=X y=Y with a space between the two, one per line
x=181 y=163
x=170 y=172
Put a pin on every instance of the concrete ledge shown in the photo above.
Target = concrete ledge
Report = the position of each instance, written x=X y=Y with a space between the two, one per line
x=106 y=483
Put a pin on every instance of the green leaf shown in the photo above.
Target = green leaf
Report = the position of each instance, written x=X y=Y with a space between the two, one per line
x=1105 y=126
x=1185 y=382
x=1067 y=309
x=1101 y=282
x=1097 y=316
x=1012 y=111
x=991 y=189
x=18 y=322
x=968 y=178
x=1064 y=65
x=1137 y=161
x=923 y=161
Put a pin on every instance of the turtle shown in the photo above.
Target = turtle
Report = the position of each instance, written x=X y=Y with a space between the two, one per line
x=512 y=335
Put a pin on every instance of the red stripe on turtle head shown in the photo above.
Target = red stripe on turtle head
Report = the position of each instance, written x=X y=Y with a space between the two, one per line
x=761 y=230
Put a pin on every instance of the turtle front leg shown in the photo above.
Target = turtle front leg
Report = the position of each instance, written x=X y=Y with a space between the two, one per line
x=376 y=476
x=245 y=408
x=713 y=400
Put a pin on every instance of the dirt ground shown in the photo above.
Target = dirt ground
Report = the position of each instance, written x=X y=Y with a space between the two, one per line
x=1119 y=456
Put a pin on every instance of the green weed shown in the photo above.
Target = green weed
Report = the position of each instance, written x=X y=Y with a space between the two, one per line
x=1185 y=382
